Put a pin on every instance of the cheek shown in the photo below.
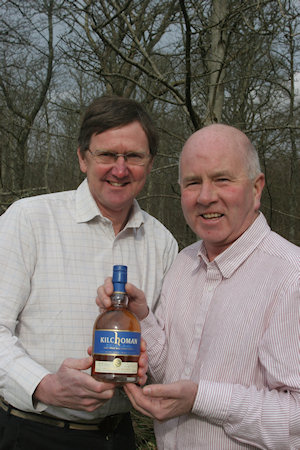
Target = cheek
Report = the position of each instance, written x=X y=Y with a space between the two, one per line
x=240 y=203
x=235 y=197
x=98 y=171
x=139 y=174
x=188 y=200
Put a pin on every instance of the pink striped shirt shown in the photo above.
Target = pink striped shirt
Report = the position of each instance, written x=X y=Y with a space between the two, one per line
x=231 y=326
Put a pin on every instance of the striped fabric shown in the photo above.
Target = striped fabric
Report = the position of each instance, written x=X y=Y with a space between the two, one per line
x=232 y=326
x=55 y=250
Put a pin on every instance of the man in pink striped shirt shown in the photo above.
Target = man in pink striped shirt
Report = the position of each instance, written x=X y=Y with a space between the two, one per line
x=223 y=343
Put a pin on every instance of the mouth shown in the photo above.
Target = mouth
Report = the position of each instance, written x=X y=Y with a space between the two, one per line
x=212 y=215
x=116 y=184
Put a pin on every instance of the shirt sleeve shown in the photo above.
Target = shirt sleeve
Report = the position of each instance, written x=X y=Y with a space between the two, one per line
x=19 y=374
x=269 y=417
x=154 y=335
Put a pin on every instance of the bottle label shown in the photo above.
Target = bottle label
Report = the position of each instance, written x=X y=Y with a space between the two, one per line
x=116 y=366
x=110 y=342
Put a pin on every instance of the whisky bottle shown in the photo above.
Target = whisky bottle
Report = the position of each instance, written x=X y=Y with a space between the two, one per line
x=116 y=337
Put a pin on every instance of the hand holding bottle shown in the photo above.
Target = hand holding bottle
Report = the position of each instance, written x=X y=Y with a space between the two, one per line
x=163 y=401
x=70 y=387
x=137 y=300
x=143 y=364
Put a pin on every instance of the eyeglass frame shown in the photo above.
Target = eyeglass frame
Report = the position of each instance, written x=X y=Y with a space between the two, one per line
x=144 y=157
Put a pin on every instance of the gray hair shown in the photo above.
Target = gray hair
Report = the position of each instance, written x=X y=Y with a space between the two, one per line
x=252 y=161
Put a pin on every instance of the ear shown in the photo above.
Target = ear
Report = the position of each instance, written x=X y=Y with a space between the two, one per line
x=82 y=161
x=258 y=186
x=150 y=165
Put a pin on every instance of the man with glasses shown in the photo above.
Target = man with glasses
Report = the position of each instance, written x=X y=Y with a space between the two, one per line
x=55 y=250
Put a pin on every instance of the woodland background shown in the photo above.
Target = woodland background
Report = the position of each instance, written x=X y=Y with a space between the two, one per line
x=189 y=62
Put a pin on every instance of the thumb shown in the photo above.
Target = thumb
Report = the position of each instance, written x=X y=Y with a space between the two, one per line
x=133 y=292
x=79 y=364
x=158 y=390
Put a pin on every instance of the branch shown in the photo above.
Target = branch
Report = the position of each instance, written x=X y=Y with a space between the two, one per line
x=194 y=117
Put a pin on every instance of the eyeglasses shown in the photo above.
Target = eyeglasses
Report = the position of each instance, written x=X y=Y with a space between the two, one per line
x=131 y=158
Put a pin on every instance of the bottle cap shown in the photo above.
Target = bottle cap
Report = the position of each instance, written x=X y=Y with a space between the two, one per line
x=119 y=278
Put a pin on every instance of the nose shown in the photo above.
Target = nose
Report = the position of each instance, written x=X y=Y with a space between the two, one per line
x=120 y=168
x=207 y=193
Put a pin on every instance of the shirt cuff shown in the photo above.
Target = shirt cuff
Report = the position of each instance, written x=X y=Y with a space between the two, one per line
x=212 y=401
x=21 y=385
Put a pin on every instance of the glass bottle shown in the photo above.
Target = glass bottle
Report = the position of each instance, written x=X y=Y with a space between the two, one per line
x=116 y=337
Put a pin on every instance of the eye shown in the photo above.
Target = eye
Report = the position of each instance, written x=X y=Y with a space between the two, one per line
x=105 y=154
x=222 y=180
x=192 y=183
x=132 y=156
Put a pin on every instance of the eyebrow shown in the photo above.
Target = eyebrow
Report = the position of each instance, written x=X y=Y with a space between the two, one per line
x=140 y=151
x=191 y=178
x=220 y=173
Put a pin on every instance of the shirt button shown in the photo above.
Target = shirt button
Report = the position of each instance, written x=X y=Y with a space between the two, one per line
x=211 y=288
x=197 y=331
x=187 y=370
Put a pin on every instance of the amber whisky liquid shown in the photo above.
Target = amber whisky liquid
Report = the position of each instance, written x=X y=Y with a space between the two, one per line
x=116 y=343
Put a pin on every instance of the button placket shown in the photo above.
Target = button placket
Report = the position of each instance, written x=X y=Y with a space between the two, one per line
x=212 y=280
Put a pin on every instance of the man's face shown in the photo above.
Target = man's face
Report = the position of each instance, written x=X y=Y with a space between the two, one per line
x=114 y=186
x=218 y=199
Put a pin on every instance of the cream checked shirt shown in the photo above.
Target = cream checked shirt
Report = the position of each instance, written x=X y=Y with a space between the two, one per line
x=233 y=327
x=55 y=250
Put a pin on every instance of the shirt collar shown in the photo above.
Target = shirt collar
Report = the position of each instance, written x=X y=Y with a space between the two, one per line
x=87 y=209
x=229 y=260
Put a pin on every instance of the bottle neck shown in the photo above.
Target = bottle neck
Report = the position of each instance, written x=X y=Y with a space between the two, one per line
x=119 y=299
